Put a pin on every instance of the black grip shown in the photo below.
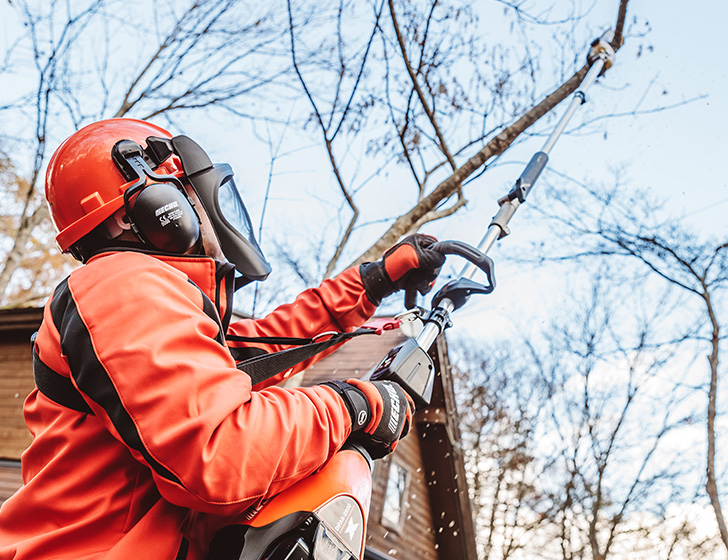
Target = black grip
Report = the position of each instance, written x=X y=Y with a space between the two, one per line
x=459 y=248
x=410 y=299
x=469 y=253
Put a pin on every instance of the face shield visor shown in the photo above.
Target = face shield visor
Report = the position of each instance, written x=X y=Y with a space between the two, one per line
x=215 y=188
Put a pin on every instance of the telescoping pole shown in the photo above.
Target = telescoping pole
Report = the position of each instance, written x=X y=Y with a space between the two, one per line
x=601 y=57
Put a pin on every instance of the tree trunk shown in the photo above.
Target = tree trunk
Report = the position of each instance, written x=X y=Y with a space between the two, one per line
x=711 y=485
x=403 y=224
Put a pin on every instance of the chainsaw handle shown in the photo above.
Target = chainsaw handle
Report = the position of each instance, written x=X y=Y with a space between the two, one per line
x=461 y=249
x=469 y=253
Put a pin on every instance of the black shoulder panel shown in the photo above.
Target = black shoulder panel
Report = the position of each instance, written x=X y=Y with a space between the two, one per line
x=211 y=311
x=91 y=377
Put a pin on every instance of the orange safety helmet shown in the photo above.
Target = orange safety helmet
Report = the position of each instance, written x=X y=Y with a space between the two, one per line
x=83 y=184
x=141 y=167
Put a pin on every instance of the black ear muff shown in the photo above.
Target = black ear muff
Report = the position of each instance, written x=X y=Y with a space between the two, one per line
x=164 y=218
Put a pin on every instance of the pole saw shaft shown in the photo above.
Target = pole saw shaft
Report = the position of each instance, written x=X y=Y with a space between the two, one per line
x=409 y=365
x=601 y=56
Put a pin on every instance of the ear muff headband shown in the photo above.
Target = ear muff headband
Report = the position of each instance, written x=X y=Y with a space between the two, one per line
x=161 y=214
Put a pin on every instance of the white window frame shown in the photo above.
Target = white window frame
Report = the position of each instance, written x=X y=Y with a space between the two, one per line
x=401 y=486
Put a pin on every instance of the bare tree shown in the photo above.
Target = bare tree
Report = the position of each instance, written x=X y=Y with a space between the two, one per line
x=620 y=223
x=570 y=439
x=611 y=448
x=157 y=60
x=499 y=400
x=400 y=82
x=340 y=104
x=48 y=61
x=427 y=207
x=393 y=79
x=38 y=269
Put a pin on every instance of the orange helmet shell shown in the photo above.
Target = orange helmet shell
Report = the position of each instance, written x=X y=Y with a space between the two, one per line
x=83 y=185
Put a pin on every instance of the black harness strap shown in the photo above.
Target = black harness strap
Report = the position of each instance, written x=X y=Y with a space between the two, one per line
x=57 y=388
x=261 y=368
x=269 y=339
x=62 y=391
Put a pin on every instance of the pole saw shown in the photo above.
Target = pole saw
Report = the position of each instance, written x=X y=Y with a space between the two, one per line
x=323 y=517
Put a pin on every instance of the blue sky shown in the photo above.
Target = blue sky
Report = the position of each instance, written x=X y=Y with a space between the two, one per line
x=678 y=152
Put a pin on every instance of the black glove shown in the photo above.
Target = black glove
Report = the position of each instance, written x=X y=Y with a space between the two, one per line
x=381 y=413
x=410 y=265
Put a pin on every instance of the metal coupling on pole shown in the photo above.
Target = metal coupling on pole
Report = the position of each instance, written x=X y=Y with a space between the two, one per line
x=601 y=49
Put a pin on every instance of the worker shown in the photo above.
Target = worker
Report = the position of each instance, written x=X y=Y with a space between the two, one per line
x=145 y=433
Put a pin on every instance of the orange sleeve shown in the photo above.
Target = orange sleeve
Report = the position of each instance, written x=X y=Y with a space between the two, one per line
x=338 y=304
x=150 y=362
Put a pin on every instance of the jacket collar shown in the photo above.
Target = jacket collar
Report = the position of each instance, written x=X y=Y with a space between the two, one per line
x=216 y=279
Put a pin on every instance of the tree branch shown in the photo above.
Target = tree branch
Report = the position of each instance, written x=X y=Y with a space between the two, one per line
x=449 y=186
x=415 y=84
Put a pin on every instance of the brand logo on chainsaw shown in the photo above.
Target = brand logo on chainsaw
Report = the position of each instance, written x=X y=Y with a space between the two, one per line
x=343 y=517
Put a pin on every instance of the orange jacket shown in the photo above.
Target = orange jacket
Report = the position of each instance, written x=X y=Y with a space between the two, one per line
x=178 y=442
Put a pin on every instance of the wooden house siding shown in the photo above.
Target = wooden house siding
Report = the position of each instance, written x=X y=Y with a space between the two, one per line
x=10 y=479
x=445 y=465
x=16 y=379
x=416 y=539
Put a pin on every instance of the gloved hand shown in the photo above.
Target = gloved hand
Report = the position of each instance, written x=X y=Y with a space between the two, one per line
x=410 y=265
x=381 y=413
